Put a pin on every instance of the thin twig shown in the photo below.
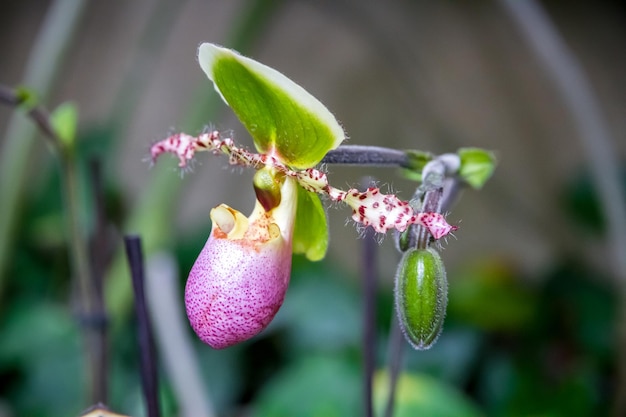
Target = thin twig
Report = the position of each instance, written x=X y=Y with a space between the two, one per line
x=38 y=114
x=570 y=80
x=9 y=97
x=98 y=256
x=370 y=268
x=395 y=350
x=147 y=357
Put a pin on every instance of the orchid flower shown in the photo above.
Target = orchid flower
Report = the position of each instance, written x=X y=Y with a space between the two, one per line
x=239 y=280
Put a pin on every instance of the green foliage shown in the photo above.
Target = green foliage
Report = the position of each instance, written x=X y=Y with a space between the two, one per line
x=420 y=395
x=312 y=387
x=308 y=328
x=489 y=296
x=582 y=205
x=41 y=346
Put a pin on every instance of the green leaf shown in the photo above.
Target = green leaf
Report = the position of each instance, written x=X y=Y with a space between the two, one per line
x=488 y=295
x=420 y=395
x=313 y=386
x=310 y=236
x=477 y=165
x=282 y=117
x=50 y=356
x=64 y=120
x=305 y=328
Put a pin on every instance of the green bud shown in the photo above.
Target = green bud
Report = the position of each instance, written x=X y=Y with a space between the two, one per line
x=477 y=166
x=64 y=121
x=421 y=296
x=267 y=183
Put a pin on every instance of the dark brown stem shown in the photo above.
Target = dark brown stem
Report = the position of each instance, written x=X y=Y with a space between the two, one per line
x=90 y=320
x=432 y=204
x=370 y=268
x=395 y=352
x=147 y=358
x=367 y=155
x=98 y=257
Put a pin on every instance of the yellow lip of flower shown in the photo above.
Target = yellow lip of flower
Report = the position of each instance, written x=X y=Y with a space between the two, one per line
x=261 y=226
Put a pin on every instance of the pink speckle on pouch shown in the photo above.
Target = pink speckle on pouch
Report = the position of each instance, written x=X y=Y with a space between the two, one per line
x=235 y=288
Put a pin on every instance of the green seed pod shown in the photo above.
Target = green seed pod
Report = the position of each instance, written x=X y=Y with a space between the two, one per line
x=421 y=296
x=267 y=183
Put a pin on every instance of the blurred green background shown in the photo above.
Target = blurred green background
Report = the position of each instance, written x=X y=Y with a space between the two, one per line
x=532 y=318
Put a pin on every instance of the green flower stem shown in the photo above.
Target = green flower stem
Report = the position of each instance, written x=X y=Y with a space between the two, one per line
x=42 y=70
x=369 y=264
x=367 y=155
x=78 y=252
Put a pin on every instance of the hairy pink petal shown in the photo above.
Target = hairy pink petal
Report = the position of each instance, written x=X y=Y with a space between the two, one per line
x=436 y=224
x=371 y=208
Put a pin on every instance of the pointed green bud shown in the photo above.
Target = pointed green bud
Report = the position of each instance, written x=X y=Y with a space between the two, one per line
x=64 y=120
x=477 y=166
x=267 y=182
x=421 y=294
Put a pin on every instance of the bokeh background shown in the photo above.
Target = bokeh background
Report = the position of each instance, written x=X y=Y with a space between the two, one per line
x=534 y=297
